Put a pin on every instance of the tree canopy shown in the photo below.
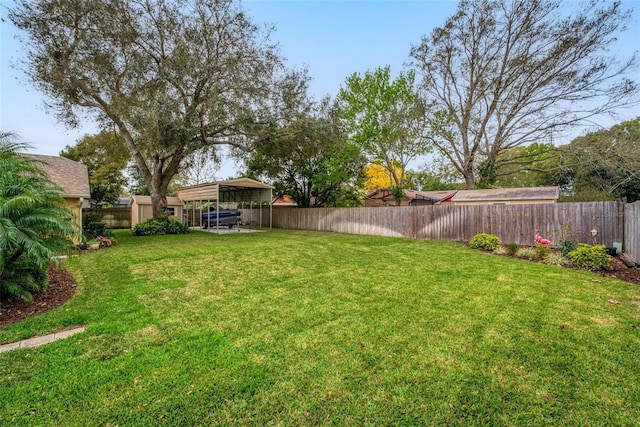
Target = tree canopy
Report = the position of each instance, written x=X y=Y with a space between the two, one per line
x=105 y=156
x=385 y=119
x=310 y=159
x=602 y=165
x=172 y=76
x=505 y=73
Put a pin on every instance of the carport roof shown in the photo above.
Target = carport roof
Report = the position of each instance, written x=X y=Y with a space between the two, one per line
x=233 y=190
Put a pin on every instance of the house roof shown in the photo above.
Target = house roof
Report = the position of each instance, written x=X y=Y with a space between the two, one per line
x=507 y=194
x=285 y=200
x=71 y=176
x=146 y=200
x=435 y=196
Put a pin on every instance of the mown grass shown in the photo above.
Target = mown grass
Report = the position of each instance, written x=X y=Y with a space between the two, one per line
x=301 y=328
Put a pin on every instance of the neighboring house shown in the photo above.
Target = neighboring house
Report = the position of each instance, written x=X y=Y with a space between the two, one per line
x=507 y=196
x=284 y=201
x=72 y=177
x=141 y=209
x=383 y=197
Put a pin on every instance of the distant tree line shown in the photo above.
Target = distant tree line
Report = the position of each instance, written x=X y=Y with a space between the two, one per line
x=174 y=81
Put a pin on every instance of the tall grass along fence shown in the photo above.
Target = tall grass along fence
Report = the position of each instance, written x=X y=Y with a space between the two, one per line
x=512 y=223
x=113 y=217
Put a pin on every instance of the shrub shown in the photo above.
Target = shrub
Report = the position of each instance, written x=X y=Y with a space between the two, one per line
x=94 y=229
x=591 y=257
x=542 y=251
x=566 y=245
x=555 y=259
x=488 y=242
x=25 y=277
x=154 y=227
x=500 y=250
x=36 y=226
x=526 y=252
x=512 y=248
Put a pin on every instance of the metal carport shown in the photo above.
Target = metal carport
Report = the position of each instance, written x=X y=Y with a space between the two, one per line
x=231 y=191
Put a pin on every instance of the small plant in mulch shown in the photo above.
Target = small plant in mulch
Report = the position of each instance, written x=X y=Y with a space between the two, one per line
x=500 y=250
x=542 y=251
x=512 y=248
x=555 y=258
x=526 y=253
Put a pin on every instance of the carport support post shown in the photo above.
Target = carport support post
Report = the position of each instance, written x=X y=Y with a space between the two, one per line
x=218 y=213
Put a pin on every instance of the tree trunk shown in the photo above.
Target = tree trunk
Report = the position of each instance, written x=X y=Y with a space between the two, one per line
x=469 y=180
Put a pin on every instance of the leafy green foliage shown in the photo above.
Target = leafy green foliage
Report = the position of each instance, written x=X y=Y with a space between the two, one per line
x=566 y=245
x=171 y=77
x=555 y=258
x=602 y=165
x=310 y=159
x=105 y=156
x=155 y=227
x=34 y=224
x=500 y=250
x=385 y=119
x=542 y=251
x=526 y=252
x=488 y=242
x=512 y=248
x=591 y=257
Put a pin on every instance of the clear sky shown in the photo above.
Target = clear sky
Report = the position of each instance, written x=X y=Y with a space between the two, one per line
x=332 y=38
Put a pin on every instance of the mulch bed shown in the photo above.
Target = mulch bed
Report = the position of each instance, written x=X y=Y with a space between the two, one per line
x=62 y=287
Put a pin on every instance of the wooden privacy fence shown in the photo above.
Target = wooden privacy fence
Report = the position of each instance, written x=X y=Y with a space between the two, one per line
x=632 y=229
x=112 y=217
x=512 y=223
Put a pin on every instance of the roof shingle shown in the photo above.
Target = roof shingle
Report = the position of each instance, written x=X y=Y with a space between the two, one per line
x=71 y=176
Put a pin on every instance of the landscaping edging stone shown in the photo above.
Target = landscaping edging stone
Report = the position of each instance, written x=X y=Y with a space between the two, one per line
x=38 y=341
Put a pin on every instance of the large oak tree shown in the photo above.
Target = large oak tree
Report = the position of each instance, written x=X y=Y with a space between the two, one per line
x=172 y=76
x=504 y=73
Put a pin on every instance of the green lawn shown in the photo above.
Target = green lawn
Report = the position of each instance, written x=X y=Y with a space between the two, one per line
x=302 y=328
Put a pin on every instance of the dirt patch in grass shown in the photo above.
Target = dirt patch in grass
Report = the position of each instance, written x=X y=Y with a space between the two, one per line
x=61 y=288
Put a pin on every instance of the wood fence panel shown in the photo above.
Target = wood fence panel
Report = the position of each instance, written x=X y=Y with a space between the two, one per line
x=632 y=229
x=512 y=223
x=112 y=217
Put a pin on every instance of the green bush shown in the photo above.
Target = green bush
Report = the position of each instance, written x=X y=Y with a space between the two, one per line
x=154 y=227
x=94 y=229
x=512 y=248
x=591 y=257
x=542 y=251
x=555 y=259
x=526 y=252
x=566 y=245
x=25 y=277
x=488 y=242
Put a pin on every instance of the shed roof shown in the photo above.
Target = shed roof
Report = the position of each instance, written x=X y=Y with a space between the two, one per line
x=233 y=190
x=435 y=196
x=146 y=200
x=508 y=194
x=69 y=175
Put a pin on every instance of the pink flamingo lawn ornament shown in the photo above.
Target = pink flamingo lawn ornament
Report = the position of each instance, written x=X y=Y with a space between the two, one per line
x=541 y=240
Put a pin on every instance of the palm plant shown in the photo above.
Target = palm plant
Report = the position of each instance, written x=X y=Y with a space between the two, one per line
x=35 y=226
